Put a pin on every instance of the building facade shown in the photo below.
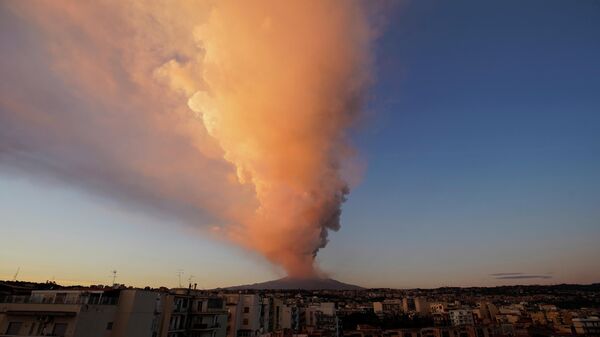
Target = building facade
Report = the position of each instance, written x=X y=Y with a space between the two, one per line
x=82 y=313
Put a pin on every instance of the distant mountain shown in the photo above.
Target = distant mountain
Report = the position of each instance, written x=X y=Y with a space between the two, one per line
x=299 y=283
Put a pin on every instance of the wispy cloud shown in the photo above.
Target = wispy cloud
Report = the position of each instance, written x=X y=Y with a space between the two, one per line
x=518 y=276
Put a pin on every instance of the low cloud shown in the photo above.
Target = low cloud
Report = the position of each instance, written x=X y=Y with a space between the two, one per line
x=506 y=274
x=519 y=276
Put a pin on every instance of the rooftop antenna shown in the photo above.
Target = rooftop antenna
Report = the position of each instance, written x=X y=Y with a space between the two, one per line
x=16 y=274
x=114 y=277
x=190 y=280
x=179 y=274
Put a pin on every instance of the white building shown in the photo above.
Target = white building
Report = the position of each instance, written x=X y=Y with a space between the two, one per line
x=461 y=317
x=415 y=304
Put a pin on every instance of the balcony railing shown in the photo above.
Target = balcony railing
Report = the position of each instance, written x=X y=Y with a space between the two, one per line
x=204 y=326
x=59 y=300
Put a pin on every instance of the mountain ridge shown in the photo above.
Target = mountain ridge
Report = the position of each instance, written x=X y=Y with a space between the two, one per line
x=288 y=283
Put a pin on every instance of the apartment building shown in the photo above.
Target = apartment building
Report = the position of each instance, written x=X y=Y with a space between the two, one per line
x=461 y=317
x=587 y=326
x=248 y=315
x=81 y=313
x=321 y=318
x=193 y=313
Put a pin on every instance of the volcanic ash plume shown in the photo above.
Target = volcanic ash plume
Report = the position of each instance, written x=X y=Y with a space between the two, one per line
x=275 y=85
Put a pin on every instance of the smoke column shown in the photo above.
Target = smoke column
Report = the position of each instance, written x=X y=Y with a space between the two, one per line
x=232 y=115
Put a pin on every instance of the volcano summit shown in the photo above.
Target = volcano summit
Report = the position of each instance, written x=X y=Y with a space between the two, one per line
x=299 y=283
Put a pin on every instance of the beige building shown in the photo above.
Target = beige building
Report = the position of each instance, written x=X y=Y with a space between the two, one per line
x=587 y=326
x=246 y=313
x=415 y=304
x=286 y=316
x=485 y=312
x=388 y=306
x=81 y=313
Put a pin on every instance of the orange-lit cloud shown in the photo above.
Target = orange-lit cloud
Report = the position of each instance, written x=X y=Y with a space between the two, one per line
x=234 y=112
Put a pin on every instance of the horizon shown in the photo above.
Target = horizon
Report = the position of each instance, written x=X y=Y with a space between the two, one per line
x=407 y=145
x=237 y=287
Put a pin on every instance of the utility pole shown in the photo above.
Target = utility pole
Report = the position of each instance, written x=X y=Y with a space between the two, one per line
x=179 y=274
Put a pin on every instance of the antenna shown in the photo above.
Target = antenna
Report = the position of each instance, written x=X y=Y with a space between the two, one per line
x=114 y=273
x=190 y=281
x=16 y=274
x=179 y=274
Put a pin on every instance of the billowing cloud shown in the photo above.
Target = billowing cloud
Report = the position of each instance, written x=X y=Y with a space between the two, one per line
x=232 y=113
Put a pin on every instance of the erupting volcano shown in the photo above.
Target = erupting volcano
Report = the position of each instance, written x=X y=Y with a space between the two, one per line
x=299 y=283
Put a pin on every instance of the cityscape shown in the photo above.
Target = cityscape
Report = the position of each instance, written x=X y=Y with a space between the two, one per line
x=48 y=309
x=299 y=168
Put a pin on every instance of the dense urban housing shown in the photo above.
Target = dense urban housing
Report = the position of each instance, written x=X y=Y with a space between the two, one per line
x=29 y=309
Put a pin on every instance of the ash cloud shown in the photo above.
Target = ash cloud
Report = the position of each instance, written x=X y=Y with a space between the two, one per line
x=169 y=107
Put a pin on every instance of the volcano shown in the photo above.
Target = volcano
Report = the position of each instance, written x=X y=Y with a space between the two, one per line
x=299 y=283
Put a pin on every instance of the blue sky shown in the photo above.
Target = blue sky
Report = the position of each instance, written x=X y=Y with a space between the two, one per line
x=482 y=147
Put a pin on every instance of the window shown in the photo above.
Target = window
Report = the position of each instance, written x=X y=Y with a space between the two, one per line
x=60 y=329
x=109 y=325
x=94 y=298
x=245 y=321
x=246 y=310
x=32 y=328
x=215 y=303
x=14 y=328
x=174 y=323
x=60 y=298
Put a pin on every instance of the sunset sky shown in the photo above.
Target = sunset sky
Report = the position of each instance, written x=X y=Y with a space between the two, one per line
x=478 y=158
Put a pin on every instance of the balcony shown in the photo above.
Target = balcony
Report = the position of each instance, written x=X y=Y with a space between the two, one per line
x=92 y=300
x=204 y=326
x=51 y=306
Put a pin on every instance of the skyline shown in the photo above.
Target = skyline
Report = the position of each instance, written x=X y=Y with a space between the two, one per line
x=480 y=147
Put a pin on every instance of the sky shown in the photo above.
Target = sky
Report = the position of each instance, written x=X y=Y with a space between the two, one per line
x=481 y=152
